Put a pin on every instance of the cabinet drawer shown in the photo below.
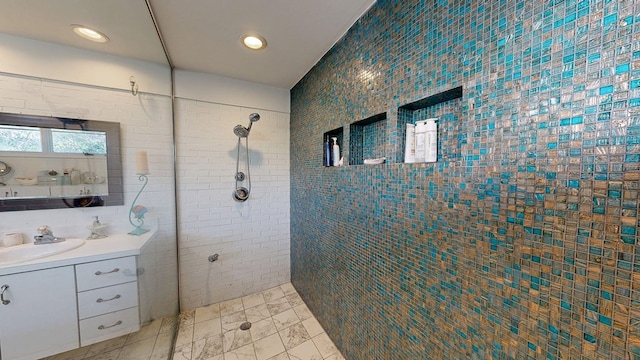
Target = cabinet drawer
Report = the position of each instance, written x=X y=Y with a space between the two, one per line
x=106 y=273
x=107 y=326
x=107 y=299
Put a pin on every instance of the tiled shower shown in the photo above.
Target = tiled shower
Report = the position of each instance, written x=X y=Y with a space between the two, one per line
x=521 y=241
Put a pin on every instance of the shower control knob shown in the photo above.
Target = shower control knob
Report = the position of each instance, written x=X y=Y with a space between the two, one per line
x=213 y=257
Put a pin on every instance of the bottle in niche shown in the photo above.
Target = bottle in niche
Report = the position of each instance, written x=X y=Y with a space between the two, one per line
x=327 y=153
x=420 y=132
x=410 y=144
x=431 y=140
x=336 y=152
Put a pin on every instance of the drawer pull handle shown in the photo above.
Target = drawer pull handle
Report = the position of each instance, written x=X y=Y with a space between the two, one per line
x=101 y=300
x=108 y=272
x=102 y=327
x=4 y=288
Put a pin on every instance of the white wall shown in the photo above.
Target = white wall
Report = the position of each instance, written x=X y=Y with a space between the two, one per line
x=252 y=237
x=146 y=124
x=223 y=90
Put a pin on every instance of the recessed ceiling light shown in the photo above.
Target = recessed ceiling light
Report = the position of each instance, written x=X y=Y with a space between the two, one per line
x=90 y=34
x=254 y=41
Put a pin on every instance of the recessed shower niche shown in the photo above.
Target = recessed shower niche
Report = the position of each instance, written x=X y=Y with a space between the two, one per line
x=446 y=106
x=335 y=133
x=368 y=139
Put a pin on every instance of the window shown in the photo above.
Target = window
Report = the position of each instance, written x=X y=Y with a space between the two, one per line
x=33 y=139
x=20 y=138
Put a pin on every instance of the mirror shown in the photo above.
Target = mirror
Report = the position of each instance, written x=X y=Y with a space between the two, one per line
x=55 y=162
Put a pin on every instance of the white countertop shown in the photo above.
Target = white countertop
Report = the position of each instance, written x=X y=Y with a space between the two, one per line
x=113 y=246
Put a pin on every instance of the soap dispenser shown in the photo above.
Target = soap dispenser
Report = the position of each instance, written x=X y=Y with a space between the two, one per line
x=336 y=152
x=97 y=229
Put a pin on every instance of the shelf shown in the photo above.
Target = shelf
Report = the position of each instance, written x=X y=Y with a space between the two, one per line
x=337 y=133
x=367 y=139
x=446 y=106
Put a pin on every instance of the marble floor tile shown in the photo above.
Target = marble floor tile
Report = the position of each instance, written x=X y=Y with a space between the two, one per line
x=305 y=351
x=268 y=347
x=294 y=335
x=303 y=312
x=294 y=299
x=182 y=352
x=281 y=356
x=150 y=330
x=313 y=326
x=257 y=313
x=285 y=319
x=205 y=349
x=206 y=329
x=231 y=306
x=242 y=353
x=76 y=354
x=253 y=300
x=235 y=339
x=325 y=345
x=337 y=356
x=106 y=346
x=262 y=329
x=278 y=305
x=207 y=313
x=140 y=350
x=288 y=289
x=273 y=294
x=185 y=335
x=233 y=321
x=162 y=346
x=107 y=355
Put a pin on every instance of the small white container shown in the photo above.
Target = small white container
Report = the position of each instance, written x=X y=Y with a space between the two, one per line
x=410 y=144
x=12 y=239
x=421 y=129
x=431 y=140
x=336 y=152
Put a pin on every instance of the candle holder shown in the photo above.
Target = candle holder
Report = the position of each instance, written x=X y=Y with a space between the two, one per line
x=138 y=211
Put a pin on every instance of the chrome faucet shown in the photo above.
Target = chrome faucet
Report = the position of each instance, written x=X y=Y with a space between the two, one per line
x=46 y=236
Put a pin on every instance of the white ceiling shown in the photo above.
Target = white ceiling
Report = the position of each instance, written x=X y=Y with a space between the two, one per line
x=200 y=35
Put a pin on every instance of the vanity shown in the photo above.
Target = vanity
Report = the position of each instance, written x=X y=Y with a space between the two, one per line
x=75 y=298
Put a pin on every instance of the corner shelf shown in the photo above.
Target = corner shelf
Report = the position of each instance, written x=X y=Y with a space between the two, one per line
x=446 y=107
x=367 y=139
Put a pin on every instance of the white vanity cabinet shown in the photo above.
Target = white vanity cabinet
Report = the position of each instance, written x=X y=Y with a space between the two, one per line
x=71 y=299
x=38 y=316
x=107 y=299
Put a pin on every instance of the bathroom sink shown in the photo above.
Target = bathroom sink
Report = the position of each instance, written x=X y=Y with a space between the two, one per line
x=26 y=252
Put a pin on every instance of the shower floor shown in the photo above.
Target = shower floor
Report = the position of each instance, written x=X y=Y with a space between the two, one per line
x=282 y=328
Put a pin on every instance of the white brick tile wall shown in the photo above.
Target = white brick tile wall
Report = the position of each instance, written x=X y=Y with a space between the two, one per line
x=252 y=238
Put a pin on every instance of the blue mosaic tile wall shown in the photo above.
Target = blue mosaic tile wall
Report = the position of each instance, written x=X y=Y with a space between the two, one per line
x=521 y=242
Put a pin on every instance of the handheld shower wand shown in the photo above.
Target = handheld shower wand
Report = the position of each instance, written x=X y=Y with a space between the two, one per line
x=241 y=193
x=243 y=132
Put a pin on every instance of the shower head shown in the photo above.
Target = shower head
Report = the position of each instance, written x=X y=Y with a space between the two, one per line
x=242 y=131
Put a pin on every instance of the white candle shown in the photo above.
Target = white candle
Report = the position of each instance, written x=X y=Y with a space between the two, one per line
x=142 y=164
